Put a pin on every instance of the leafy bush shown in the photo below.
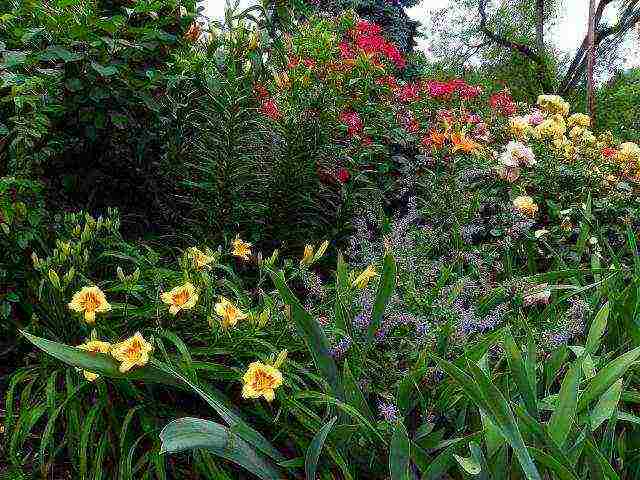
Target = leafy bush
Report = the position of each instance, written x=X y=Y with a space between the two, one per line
x=80 y=96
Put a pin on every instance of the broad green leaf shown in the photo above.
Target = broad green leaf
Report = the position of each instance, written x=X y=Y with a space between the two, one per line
x=550 y=463
x=315 y=448
x=606 y=405
x=190 y=433
x=311 y=332
x=468 y=464
x=385 y=290
x=562 y=419
x=597 y=329
x=399 y=453
x=105 y=71
x=606 y=377
x=519 y=371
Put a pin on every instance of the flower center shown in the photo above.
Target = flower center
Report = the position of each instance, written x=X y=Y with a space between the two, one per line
x=91 y=302
x=181 y=298
x=134 y=349
x=262 y=380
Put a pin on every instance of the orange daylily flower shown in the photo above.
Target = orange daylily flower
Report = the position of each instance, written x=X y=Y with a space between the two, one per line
x=462 y=143
x=437 y=139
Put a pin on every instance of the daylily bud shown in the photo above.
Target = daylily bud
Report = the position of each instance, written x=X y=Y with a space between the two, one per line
x=282 y=356
x=307 y=256
x=69 y=276
x=120 y=274
x=321 y=250
x=263 y=318
x=55 y=279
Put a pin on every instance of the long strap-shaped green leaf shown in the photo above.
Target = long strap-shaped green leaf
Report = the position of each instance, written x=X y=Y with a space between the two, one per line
x=190 y=433
x=399 y=453
x=606 y=377
x=503 y=418
x=315 y=448
x=385 y=290
x=312 y=333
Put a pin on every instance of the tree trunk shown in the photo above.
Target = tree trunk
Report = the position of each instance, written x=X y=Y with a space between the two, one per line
x=591 y=59
x=540 y=26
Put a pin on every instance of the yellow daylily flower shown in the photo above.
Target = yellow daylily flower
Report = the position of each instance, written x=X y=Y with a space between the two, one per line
x=261 y=380
x=229 y=313
x=134 y=351
x=94 y=346
x=241 y=249
x=200 y=259
x=525 y=205
x=183 y=297
x=362 y=280
x=629 y=152
x=89 y=300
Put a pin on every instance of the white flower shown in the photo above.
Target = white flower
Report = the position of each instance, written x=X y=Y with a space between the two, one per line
x=517 y=155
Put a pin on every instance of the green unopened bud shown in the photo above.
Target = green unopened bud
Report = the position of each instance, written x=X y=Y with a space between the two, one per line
x=77 y=231
x=120 y=274
x=86 y=233
x=54 y=279
x=273 y=259
x=135 y=276
x=68 y=278
x=35 y=259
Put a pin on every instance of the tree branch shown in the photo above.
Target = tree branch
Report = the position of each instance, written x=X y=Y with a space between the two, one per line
x=578 y=65
x=502 y=41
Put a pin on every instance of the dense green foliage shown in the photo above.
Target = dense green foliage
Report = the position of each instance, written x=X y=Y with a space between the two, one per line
x=346 y=264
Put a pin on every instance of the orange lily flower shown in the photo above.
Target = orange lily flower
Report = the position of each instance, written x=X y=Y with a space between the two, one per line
x=464 y=144
x=437 y=139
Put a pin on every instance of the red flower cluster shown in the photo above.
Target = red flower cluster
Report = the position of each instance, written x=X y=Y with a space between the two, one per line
x=270 y=108
x=353 y=121
x=609 y=152
x=438 y=89
x=367 y=37
x=503 y=103
x=388 y=81
x=294 y=61
x=345 y=51
x=343 y=175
